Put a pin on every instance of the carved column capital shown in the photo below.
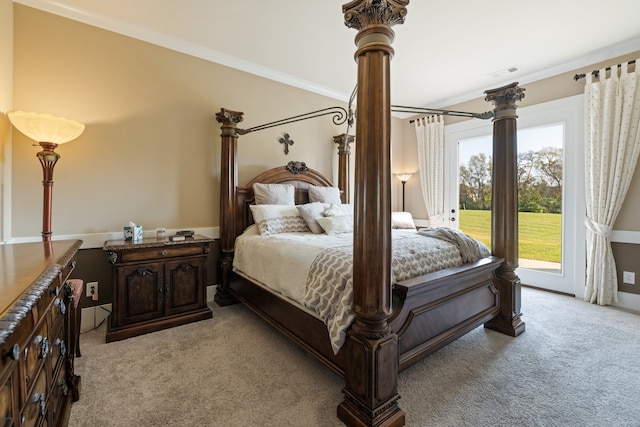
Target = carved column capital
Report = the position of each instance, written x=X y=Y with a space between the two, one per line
x=359 y=14
x=344 y=174
x=504 y=99
x=228 y=117
x=229 y=120
x=344 y=143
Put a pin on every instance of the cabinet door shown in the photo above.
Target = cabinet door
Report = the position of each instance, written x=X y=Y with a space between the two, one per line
x=185 y=287
x=139 y=293
x=8 y=399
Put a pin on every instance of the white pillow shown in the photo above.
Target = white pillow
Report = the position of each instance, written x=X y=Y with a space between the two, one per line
x=338 y=210
x=311 y=212
x=336 y=224
x=402 y=220
x=274 y=219
x=324 y=194
x=274 y=194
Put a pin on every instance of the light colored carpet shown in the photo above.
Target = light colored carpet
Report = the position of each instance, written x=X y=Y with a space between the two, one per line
x=577 y=364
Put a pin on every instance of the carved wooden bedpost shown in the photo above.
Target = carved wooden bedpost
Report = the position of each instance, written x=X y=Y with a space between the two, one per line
x=228 y=185
x=371 y=385
x=344 y=151
x=504 y=204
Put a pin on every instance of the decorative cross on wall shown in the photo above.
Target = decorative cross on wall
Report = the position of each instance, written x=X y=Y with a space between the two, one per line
x=287 y=142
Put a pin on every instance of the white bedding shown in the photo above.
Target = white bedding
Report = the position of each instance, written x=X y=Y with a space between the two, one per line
x=282 y=262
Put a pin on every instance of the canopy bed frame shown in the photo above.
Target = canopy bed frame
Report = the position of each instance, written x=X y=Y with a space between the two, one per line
x=396 y=324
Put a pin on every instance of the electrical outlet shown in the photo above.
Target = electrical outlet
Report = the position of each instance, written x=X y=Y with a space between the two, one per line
x=92 y=289
x=629 y=277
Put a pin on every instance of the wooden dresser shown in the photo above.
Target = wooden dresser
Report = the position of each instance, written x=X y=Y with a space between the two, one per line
x=37 y=382
x=157 y=284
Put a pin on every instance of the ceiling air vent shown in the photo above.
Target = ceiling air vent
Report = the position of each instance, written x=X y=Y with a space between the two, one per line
x=504 y=72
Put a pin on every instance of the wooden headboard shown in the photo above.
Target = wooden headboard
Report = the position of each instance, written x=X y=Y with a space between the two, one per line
x=294 y=173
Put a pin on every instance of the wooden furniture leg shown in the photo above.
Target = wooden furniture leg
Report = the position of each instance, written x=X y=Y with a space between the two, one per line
x=77 y=286
x=73 y=291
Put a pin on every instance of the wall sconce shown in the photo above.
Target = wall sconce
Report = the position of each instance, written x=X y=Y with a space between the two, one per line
x=49 y=131
x=404 y=177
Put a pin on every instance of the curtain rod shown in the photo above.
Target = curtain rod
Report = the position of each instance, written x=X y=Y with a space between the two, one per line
x=416 y=110
x=597 y=72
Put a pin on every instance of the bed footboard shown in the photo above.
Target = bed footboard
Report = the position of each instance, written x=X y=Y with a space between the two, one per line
x=430 y=311
x=435 y=309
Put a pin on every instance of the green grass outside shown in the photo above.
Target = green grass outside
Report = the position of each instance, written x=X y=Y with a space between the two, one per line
x=539 y=234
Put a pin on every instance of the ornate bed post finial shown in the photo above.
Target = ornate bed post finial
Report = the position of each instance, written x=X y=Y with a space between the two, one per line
x=504 y=201
x=344 y=152
x=228 y=118
x=228 y=183
x=371 y=381
x=505 y=98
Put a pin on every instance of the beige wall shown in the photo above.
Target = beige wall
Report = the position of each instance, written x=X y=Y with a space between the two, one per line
x=150 y=151
x=6 y=103
x=557 y=87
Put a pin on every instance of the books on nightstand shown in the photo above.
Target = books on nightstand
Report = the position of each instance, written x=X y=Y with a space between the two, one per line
x=181 y=235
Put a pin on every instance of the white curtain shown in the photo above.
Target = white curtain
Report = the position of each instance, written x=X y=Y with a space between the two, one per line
x=430 y=134
x=612 y=119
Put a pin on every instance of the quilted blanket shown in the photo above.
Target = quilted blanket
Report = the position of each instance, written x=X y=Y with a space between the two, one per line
x=410 y=257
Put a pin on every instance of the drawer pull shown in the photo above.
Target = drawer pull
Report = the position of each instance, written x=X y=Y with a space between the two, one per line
x=59 y=303
x=55 y=291
x=143 y=272
x=41 y=400
x=63 y=348
x=63 y=385
x=43 y=343
x=186 y=267
x=163 y=253
x=14 y=353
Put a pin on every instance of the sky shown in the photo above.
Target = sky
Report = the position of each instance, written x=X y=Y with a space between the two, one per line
x=529 y=139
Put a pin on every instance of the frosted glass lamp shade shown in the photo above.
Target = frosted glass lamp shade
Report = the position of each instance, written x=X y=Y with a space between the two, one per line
x=42 y=127
x=404 y=177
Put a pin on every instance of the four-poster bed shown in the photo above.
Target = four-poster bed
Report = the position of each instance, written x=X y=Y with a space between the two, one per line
x=396 y=324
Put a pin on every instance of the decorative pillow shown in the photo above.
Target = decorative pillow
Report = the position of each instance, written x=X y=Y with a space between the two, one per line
x=402 y=220
x=310 y=213
x=336 y=224
x=274 y=194
x=335 y=210
x=274 y=219
x=347 y=208
x=324 y=194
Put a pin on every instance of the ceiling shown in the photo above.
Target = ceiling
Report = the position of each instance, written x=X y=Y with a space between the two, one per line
x=445 y=52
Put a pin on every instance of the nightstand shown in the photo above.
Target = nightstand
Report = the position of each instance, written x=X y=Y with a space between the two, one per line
x=157 y=284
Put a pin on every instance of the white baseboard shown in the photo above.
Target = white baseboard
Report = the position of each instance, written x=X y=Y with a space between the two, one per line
x=628 y=301
x=92 y=317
